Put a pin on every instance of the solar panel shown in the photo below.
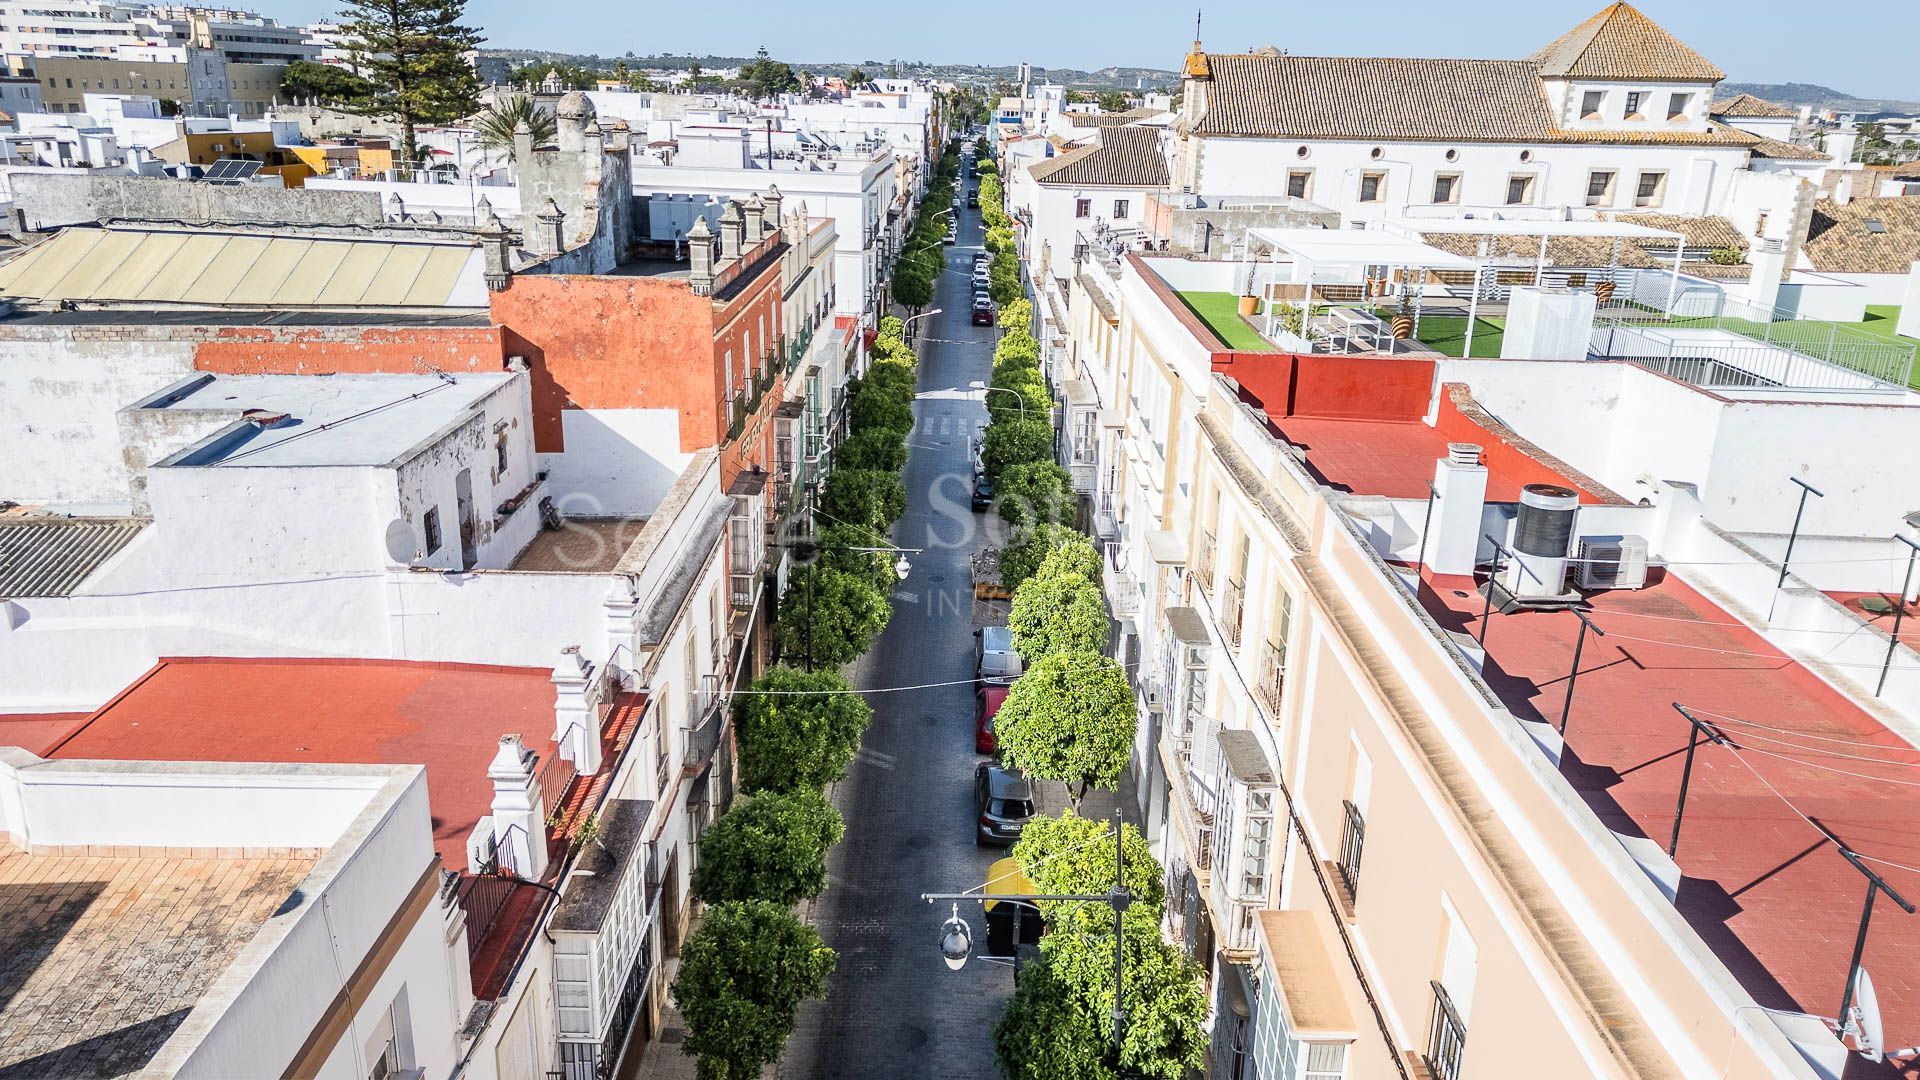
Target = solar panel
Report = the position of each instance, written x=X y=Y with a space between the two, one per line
x=232 y=171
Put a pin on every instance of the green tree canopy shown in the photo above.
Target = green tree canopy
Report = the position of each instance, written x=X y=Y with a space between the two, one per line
x=572 y=76
x=1034 y=491
x=870 y=497
x=767 y=78
x=1003 y=279
x=797 y=729
x=1074 y=854
x=1055 y=612
x=832 y=614
x=876 y=404
x=874 y=448
x=1018 y=313
x=1026 y=394
x=1069 y=718
x=911 y=285
x=499 y=121
x=857 y=77
x=838 y=546
x=771 y=846
x=1112 y=101
x=743 y=975
x=1033 y=545
x=1014 y=442
x=412 y=54
x=328 y=84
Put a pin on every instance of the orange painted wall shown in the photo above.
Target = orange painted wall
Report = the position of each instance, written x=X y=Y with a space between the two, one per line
x=256 y=350
x=1500 y=454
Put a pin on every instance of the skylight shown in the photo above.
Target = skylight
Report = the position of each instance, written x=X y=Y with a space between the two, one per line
x=1875 y=225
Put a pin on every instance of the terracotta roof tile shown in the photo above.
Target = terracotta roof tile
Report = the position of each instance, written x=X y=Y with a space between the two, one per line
x=1125 y=157
x=1746 y=105
x=1844 y=240
x=1786 y=151
x=1353 y=97
x=1621 y=43
x=1712 y=231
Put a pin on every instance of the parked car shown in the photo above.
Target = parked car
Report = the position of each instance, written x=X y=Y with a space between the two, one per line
x=982 y=312
x=952 y=237
x=986 y=702
x=1003 y=799
x=973 y=198
x=982 y=493
x=981 y=259
x=995 y=663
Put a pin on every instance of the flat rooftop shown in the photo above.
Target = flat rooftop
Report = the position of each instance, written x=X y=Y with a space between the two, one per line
x=1761 y=886
x=364 y=420
x=1394 y=458
x=581 y=546
x=102 y=956
x=447 y=717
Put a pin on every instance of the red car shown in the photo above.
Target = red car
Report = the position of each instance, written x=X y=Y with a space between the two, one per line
x=986 y=702
x=983 y=312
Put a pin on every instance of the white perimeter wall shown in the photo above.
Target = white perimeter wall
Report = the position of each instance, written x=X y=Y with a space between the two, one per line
x=1697 y=179
x=619 y=462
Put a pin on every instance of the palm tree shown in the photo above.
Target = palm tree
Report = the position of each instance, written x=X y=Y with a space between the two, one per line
x=496 y=125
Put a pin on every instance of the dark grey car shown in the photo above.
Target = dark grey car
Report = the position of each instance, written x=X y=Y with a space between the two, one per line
x=1003 y=801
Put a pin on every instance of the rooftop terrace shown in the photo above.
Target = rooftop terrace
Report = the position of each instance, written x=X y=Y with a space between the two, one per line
x=158 y=927
x=1760 y=883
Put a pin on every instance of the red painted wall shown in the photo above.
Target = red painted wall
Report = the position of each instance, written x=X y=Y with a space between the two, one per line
x=1333 y=387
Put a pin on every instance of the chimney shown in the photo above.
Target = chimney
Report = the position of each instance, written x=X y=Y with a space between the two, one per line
x=549 y=237
x=1460 y=496
x=495 y=246
x=772 y=198
x=519 y=818
x=396 y=209
x=522 y=144
x=1840 y=145
x=755 y=213
x=596 y=140
x=1843 y=191
x=795 y=227
x=1769 y=261
x=700 y=257
x=731 y=227
x=576 y=716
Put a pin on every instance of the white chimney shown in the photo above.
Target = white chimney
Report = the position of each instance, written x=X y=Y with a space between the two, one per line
x=1460 y=497
x=519 y=818
x=1843 y=191
x=576 y=713
x=1769 y=261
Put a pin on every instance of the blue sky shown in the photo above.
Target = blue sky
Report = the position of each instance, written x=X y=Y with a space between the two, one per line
x=1754 y=41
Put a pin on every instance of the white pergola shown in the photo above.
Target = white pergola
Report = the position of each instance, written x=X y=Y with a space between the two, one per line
x=1547 y=231
x=1346 y=255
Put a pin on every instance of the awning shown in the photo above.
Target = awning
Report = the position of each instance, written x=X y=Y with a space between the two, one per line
x=1112 y=418
x=1188 y=625
x=1079 y=393
x=1303 y=973
x=1166 y=548
x=1246 y=761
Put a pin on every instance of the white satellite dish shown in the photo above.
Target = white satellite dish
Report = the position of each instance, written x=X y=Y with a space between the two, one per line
x=1863 y=1019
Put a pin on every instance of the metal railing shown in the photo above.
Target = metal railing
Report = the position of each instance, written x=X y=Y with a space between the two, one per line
x=482 y=897
x=1353 y=837
x=1273 y=677
x=1203 y=562
x=556 y=775
x=1446 y=1037
x=1232 y=612
x=1712 y=340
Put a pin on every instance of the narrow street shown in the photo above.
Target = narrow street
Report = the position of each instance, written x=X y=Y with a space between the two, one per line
x=893 y=1008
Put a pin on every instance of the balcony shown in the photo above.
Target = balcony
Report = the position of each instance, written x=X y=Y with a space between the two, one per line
x=1203 y=562
x=1232 y=612
x=1352 y=839
x=1082 y=475
x=706 y=709
x=1273 y=677
x=1123 y=593
x=1446 y=1038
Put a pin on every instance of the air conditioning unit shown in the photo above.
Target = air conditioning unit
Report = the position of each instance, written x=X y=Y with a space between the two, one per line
x=481 y=855
x=1613 y=562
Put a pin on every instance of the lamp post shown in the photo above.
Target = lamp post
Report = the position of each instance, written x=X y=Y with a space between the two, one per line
x=909 y=320
x=956 y=937
x=1017 y=395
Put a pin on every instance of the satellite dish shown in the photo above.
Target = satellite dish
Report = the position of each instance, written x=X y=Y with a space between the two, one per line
x=1863 y=1019
x=402 y=546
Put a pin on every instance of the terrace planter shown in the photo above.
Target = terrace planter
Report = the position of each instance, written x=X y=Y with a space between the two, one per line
x=1249 y=304
x=1603 y=292
x=1402 y=327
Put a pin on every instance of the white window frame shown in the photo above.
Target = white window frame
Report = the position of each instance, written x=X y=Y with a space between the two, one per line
x=1605 y=197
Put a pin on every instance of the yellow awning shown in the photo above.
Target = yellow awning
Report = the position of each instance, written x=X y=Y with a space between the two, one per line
x=1004 y=878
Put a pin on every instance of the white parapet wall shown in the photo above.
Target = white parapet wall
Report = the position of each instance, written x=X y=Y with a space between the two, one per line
x=1548 y=324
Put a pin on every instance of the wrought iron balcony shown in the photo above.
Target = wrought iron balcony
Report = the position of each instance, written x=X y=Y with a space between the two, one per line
x=1203 y=562
x=1273 y=677
x=1232 y=612
x=1082 y=476
x=1353 y=838
x=1446 y=1037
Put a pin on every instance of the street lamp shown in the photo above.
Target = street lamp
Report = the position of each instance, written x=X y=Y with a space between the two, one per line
x=809 y=545
x=1017 y=395
x=956 y=937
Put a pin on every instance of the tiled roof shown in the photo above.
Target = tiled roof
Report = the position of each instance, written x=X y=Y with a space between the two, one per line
x=1746 y=105
x=1353 y=97
x=1621 y=43
x=1392 y=98
x=1786 y=151
x=1125 y=157
x=1842 y=240
x=52 y=558
x=1579 y=251
x=1711 y=231
x=1100 y=120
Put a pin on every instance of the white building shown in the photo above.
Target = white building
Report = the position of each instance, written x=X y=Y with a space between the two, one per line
x=296 y=910
x=1611 y=116
x=110 y=29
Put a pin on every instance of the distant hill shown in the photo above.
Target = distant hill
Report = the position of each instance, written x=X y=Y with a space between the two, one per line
x=1109 y=78
x=1820 y=97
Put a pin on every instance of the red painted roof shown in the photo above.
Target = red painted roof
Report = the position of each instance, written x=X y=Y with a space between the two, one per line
x=36 y=732
x=1393 y=458
x=1761 y=886
x=448 y=717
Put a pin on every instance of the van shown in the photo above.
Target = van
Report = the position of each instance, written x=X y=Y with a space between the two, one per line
x=995 y=662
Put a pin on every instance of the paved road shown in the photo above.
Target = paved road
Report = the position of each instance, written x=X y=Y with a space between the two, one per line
x=893 y=1009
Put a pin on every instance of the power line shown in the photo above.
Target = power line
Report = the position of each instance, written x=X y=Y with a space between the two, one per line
x=1815 y=826
x=1795 y=731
